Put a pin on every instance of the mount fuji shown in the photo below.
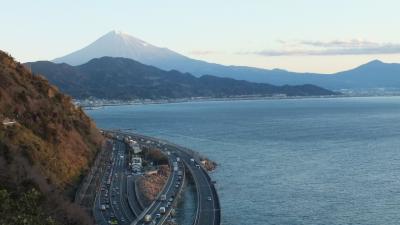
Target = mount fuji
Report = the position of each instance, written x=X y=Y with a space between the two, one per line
x=375 y=74
x=119 y=44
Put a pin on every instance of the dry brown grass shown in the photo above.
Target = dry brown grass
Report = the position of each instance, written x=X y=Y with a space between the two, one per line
x=151 y=185
x=53 y=143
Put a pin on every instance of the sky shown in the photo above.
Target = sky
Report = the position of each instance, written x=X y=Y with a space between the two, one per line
x=297 y=35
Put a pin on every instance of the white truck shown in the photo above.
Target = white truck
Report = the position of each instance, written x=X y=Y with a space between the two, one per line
x=162 y=210
x=147 y=218
x=163 y=197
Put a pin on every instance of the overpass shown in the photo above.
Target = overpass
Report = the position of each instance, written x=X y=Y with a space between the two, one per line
x=208 y=210
x=128 y=210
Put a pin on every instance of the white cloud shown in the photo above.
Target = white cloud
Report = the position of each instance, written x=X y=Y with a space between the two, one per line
x=335 y=47
x=202 y=52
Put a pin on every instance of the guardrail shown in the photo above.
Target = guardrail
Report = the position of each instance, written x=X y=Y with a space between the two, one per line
x=217 y=206
x=196 y=219
x=129 y=202
x=92 y=178
x=162 y=220
x=141 y=216
x=139 y=200
x=215 y=197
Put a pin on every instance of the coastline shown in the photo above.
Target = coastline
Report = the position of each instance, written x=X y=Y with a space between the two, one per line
x=204 y=184
x=99 y=103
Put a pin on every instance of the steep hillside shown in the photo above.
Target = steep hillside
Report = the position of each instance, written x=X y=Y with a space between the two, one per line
x=122 y=78
x=46 y=145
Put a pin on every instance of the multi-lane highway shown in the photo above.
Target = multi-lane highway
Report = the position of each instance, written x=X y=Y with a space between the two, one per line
x=117 y=202
x=170 y=191
x=208 y=207
x=111 y=205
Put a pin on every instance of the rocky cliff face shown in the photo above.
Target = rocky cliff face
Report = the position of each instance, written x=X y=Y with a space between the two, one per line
x=46 y=146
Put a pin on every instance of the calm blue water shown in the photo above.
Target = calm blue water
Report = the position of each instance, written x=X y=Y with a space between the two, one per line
x=304 y=161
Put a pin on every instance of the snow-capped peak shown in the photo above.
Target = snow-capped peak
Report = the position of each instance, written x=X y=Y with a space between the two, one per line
x=119 y=44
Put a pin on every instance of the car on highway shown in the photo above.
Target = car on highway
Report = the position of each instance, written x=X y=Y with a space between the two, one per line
x=162 y=210
x=209 y=198
x=163 y=197
x=113 y=221
x=147 y=218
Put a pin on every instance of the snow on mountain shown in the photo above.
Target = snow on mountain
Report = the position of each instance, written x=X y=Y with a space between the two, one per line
x=375 y=74
x=119 y=44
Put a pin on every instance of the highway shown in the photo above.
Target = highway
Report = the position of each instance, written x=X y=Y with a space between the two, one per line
x=208 y=207
x=208 y=210
x=116 y=201
x=171 y=189
x=113 y=191
x=133 y=202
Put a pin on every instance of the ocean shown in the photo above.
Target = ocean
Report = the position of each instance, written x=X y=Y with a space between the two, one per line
x=296 y=161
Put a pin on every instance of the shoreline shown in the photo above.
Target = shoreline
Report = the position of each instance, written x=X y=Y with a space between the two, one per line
x=201 y=177
x=106 y=103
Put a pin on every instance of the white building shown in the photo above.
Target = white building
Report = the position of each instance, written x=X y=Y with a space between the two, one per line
x=136 y=164
x=135 y=147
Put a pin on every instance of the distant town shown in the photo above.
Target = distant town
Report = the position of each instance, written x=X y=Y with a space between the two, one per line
x=94 y=103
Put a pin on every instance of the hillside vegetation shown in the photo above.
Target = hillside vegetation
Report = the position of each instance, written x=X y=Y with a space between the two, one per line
x=46 y=146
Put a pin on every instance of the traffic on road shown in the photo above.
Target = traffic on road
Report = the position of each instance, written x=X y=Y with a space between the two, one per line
x=117 y=198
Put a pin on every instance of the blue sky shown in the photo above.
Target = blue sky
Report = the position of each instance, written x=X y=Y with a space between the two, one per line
x=298 y=35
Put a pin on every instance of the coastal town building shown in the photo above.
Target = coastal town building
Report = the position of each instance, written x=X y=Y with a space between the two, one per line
x=136 y=164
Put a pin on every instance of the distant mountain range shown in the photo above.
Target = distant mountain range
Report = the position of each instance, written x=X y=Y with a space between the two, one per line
x=374 y=74
x=122 y=78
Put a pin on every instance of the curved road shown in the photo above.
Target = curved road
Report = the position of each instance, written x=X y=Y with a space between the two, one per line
x=208 y=206
x=118 y=192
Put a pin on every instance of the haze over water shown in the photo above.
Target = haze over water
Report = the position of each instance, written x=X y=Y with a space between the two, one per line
x=303 y=161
